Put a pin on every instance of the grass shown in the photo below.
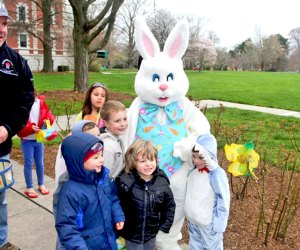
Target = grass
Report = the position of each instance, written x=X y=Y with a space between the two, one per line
x=268 y=132
x=268 y=89
x=278 y=90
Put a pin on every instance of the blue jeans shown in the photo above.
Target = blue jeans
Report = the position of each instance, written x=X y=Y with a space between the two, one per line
x=3 y=213
x=32 y=150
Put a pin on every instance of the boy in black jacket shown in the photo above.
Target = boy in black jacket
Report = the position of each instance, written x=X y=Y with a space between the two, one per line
x=145 y=195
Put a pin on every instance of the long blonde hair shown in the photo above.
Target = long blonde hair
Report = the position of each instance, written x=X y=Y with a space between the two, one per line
x=139 y=147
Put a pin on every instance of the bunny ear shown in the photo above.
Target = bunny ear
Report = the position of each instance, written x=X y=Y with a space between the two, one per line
x=177 y=41
x=144 y=39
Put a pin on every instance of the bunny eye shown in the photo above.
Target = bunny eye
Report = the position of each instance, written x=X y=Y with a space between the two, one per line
x=155 y=78
x=170 y=77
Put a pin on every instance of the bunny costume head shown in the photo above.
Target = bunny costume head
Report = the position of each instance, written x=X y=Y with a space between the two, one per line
x=161 y=79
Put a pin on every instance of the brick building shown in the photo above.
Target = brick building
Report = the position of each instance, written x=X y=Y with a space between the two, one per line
x=27 y=19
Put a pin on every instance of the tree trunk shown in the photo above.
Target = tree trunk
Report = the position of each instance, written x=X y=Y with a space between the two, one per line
x=47 y=40
x=85 y=31
x=81 y=50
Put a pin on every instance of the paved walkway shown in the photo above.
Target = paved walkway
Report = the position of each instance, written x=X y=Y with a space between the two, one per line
x=31 y=224
x=273 y=111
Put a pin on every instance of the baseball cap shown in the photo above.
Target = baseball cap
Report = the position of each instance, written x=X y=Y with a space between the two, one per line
x=3 y=11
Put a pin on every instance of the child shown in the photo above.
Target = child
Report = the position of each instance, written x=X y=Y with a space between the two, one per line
x=207 y=197
x=145 y=195
x=88 y=208
x=114 y=118
x=33 y=151
x=96 y=96
x=80 y=126
x=61 y=173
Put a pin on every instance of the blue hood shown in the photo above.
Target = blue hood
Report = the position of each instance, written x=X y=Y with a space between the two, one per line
x=74 y=148
x=77 y=127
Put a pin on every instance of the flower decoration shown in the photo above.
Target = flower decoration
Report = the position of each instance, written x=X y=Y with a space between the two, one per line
x=243 y=159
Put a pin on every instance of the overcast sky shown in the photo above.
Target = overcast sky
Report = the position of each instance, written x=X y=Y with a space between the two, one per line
x=236 y=20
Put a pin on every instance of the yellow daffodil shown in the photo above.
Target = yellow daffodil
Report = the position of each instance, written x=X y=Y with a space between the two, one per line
x=243 y=157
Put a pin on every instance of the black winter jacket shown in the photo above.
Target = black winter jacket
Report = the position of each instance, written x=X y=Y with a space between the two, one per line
x=148 y=206
x=17 y=94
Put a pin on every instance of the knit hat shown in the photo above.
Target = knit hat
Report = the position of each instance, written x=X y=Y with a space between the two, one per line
x=207 y=142
x=93 y=150
x=3 y=11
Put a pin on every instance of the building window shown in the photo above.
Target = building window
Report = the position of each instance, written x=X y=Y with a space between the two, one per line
x=22 y=13
x=23 y=40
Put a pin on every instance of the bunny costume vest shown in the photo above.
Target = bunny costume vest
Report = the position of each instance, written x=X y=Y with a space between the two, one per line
x=163 y=136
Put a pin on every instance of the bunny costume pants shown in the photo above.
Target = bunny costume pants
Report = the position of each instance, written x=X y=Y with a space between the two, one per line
x=168 y=241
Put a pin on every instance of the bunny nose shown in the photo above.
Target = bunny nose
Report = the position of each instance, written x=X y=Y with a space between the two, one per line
x=163 y=87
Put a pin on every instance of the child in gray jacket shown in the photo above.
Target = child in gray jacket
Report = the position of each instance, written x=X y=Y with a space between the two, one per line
x=114 y=118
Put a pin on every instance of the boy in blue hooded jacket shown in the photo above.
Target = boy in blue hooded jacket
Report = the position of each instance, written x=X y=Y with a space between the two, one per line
x=88 y=208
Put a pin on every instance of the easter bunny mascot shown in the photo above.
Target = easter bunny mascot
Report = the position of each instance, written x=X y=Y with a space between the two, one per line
x=161 y=113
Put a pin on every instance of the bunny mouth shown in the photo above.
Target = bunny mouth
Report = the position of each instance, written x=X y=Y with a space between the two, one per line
x=163 y=99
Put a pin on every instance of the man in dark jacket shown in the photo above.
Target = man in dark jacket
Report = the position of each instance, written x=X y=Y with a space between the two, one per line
x=17 y=97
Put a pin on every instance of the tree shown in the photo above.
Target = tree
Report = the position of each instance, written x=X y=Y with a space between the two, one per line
x=271 y=51
x=293 y=60
x=126 y=19
x=295 y=37
x=161 y=25
x=222 y=59
x=47 y=39
x=205 y=53
x=86 y=29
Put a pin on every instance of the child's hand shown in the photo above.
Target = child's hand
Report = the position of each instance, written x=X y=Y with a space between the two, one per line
x=120 y=225
x=35 y=128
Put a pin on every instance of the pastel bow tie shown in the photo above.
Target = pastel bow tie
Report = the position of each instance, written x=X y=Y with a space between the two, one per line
x=148 y=111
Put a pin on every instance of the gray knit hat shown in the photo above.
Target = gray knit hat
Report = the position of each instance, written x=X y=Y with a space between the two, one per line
x=3 y=11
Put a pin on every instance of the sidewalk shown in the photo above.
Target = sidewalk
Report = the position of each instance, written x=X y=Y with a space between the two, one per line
x=31 y=223
x=273 y=111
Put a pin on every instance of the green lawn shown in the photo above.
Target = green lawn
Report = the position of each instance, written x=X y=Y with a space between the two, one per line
x=269 y=132
x=269 y=89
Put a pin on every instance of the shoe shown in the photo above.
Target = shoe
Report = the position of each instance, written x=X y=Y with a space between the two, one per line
x=31 y=194
x=43 y=190
x=9 y=246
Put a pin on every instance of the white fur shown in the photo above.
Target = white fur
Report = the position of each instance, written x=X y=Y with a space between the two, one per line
x=171 y=86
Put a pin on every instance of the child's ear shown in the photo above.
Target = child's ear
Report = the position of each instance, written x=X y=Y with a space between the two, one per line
x=105 y=123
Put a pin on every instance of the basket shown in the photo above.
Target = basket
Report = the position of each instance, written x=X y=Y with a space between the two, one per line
x=6 y=175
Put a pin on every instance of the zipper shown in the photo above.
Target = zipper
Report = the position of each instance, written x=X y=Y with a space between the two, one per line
x=145 y=213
